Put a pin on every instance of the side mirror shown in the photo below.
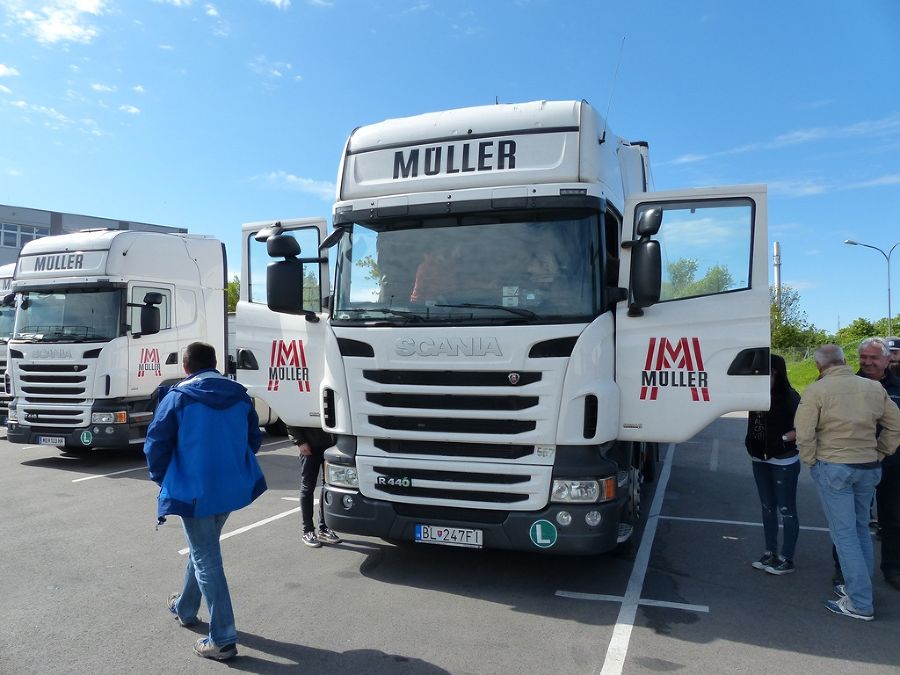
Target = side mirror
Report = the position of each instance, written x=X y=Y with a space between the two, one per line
x=646 y=275
x=153 y=298
x=9 y=300
x=150 y=318
x=649 y=222
x=282 y=246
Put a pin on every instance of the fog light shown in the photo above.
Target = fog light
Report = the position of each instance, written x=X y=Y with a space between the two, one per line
x=96 y=430
x=110 y=430
x=347 y=501
x=564 y=518
x=593 y=518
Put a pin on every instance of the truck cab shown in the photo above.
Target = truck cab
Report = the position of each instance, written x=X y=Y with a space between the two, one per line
x=7 y=319
x=102 y=320
x=517 y=322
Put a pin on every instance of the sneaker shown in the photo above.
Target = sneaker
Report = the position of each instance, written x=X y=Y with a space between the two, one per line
x=170 y=603
x=842 y=606
x=840 y=590
x=768 y=559
x=210 y=650
x=781 y=566
x=310 y=539
x=328 y=536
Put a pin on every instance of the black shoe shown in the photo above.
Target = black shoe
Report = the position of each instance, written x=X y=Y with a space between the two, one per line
x=781 y=566
x=327 y=536
x=768 y=559
x=310 y=539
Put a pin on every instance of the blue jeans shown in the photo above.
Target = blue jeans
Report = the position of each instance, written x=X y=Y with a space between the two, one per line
x=846 y=495
x=777 y=487
x=205 y=576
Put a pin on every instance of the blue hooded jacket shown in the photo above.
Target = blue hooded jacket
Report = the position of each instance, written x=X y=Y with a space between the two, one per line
x=201 y=448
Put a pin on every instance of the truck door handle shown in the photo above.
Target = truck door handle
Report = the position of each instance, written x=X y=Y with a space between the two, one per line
x=246 y=360
x=172 y=358
x=753 y=361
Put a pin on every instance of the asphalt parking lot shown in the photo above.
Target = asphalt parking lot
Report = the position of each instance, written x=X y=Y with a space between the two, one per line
x=86 y=575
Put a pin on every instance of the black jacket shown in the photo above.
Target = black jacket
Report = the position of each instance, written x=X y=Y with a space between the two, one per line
x=765 y=428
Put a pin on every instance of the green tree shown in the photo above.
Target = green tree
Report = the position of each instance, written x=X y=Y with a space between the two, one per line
x=855 y=332
x=790 y=329
x=681 y=276
x=233 y=292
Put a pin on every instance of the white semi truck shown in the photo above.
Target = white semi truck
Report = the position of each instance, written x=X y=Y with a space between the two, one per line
x=103 y=317
x=7 y=318
x=516 y=323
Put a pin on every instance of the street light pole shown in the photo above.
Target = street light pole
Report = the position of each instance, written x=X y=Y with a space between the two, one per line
x=887 y=257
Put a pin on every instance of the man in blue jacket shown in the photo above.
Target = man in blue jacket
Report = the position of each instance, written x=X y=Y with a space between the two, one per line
x=200 y=449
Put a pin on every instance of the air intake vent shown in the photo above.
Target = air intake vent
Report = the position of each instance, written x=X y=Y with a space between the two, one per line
x=355 y=348
x=560 y=347
x=590 y=416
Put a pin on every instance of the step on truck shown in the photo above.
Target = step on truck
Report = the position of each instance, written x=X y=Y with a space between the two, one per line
x=517 y=323
x=102 y=319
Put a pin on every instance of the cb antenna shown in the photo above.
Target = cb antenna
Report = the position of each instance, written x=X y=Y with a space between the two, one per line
x=612 y=89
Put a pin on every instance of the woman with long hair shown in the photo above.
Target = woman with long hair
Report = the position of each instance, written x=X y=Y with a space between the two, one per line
x=771 y=442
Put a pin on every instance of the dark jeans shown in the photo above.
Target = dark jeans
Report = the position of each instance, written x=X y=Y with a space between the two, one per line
x=777 y=487
x=309 y=472
x=887 y=496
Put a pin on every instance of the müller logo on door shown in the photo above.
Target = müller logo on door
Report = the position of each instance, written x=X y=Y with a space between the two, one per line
x=288 y=363
x=149 y=363
x=676 y=363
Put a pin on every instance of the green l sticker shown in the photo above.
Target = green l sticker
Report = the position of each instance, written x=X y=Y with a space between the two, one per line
x=542 y=533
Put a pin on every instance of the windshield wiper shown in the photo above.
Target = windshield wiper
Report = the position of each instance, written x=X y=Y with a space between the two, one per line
x=411 y=317
x=518 y=311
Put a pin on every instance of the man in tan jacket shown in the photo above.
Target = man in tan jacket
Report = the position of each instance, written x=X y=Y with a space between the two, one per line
x=838 y=436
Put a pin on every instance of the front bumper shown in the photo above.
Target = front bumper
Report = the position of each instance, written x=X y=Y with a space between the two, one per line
x=90 y=436
x=513 y=530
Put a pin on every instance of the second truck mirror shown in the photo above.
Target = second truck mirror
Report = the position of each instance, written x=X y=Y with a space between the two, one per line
x=646 y=275
x=150 y=318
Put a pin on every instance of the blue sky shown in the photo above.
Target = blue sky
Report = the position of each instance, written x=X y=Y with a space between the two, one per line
x=207 y=115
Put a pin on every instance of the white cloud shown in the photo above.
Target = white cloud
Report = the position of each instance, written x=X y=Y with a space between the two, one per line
x=102 y=87
x=881 y=181
x=138 y=89
x=167 y=48
x=130 y=109
x=288 y=181
x=7 y=71
x=5 y=90
x=797 y=188
x=14 y=172
x=269 y=69
x=211 y=10
x=175 y=3
x=58 y=20
x=280 y=4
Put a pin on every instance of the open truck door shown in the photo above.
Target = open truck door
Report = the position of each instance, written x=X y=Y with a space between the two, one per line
x=693 y=336
x=279 y=356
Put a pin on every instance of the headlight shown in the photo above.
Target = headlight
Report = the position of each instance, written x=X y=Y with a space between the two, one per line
x=341 y=476
x=117 y=417
x=583 y=491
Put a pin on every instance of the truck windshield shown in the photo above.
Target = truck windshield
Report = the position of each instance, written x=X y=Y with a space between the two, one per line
x=463 y=271
x=69 y=315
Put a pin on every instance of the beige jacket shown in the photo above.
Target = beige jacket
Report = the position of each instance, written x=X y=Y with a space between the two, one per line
x=837 y=419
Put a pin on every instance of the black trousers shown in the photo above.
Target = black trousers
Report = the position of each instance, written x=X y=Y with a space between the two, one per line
x=310 y=465
x=887 y=496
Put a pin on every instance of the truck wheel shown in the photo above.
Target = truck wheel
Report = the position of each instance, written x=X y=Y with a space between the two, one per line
x=277 y=428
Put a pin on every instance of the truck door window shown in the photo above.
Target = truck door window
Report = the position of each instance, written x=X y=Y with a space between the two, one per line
x=137 y=298
x=258 y=259
x=706 y=247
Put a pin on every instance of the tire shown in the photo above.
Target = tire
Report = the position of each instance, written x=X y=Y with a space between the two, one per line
x=277 y=428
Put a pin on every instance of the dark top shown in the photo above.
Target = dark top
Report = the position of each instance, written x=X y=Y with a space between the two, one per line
x=765 y=428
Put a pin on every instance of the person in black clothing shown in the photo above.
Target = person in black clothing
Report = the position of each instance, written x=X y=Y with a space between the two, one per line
x=311 y=444
x=771 y=443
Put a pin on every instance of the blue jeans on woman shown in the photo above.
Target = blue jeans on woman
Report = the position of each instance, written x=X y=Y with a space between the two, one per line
x=777 y=487
x=846 y=494
x=204 y=577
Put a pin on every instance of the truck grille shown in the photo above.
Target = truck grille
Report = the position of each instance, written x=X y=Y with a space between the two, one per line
x=53 y=395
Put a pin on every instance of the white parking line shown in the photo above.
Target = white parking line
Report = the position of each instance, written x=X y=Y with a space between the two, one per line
x=249 y=527
x=645 y=601
x=114 y=473
x=618 y=644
